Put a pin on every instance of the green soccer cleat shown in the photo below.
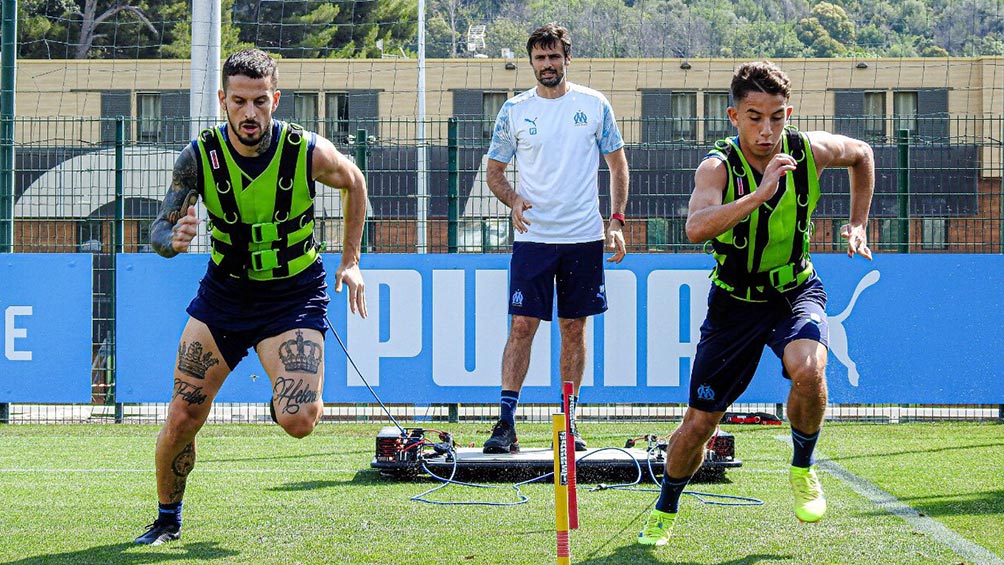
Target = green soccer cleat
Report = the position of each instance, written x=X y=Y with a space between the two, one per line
x=810 y=505
x=658 y=528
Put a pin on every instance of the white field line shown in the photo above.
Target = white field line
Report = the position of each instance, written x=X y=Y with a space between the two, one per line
x=978 y=554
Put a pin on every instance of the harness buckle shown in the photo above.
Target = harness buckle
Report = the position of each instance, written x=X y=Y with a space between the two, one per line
x=264 y=260
x=783 y=276
x=264 y=233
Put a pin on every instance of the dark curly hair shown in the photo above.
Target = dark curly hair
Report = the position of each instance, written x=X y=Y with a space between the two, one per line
x=547 y=36
x=252 y=63
x=761 y=76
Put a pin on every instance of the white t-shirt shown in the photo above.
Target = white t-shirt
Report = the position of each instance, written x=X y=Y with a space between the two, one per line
x=557 y=144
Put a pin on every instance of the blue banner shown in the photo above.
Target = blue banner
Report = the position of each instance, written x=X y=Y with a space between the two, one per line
x=904 y=329
x=45 y=306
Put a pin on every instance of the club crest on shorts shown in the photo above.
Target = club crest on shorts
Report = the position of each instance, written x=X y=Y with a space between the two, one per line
x=517 y=299
x=705 y=392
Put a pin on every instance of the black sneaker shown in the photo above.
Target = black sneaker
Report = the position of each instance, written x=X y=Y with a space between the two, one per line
x=503 y=439
x=158 y=533
x=580 y=444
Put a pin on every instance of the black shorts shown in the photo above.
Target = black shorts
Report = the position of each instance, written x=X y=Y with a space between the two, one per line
x=735 y=332
x=241 y=312
x=575 y=268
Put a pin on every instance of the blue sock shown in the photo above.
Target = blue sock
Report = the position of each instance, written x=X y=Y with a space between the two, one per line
x=804 y=444
x=510 y=400
x=170 y=514
x=672 y=489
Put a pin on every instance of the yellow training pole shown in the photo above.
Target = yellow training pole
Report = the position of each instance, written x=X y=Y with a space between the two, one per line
x=561 y=488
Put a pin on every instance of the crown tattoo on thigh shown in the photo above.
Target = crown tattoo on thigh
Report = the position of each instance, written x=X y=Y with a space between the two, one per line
x=193 y=361
x=300 y=354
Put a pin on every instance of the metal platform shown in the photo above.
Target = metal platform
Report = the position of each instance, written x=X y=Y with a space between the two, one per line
x=593 y=465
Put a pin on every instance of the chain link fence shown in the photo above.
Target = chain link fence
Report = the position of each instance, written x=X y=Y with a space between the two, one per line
x=74 y=194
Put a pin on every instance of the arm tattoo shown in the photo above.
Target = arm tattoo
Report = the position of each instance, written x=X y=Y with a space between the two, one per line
x=184 y=180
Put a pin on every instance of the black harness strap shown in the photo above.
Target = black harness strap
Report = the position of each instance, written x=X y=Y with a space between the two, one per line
x=800 y=243
x=230 y=222
x=734 y=266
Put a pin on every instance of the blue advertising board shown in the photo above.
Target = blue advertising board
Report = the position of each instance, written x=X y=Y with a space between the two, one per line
x=45 y=306
x=904 y=329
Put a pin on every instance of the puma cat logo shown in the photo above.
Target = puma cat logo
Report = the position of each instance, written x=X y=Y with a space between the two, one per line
x=838 y=334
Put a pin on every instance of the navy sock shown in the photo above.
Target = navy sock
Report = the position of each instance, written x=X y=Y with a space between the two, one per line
x=804 y=444
x=510 y=400
x=170 y=514
x=672 y=489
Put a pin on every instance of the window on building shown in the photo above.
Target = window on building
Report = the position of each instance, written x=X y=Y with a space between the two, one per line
x=143 y=236
x=874 y=115
x=684 y=114
x=491 y=103
x=668 y=116
x=89 y=235
x=933 y=233
x=336 y=116
x=476 y=111
x=716 y=116
x=305 y=110
x=149 y=122
x=905 y=110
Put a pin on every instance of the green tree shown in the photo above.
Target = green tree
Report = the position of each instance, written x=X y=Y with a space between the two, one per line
x=178 y=42
x=835 y=21
x=762 y=39
x=328 y=29
x=41 y=32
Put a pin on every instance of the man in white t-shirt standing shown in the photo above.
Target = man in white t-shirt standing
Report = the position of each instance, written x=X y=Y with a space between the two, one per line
x=556 y=132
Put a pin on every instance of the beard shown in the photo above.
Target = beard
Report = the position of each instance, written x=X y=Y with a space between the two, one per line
x=551 y=82
x=252 y=140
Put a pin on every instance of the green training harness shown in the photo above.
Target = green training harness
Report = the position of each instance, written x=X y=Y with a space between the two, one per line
x=262 y=228
x=769 y=249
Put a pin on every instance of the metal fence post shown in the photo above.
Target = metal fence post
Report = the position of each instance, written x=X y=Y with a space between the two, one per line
x=117 y=248
x=362 y=152
x=903 y=189
x=453 y=186
x=453 y=212
x=8 y=77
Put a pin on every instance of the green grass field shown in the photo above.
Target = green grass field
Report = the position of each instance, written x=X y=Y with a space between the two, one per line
x=79 y=494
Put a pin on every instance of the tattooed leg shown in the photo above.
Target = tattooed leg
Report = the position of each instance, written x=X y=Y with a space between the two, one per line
x=180 y=468
x=198 y=375
x=294 y=361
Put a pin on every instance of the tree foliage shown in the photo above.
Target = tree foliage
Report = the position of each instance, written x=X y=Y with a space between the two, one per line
x=600 y=28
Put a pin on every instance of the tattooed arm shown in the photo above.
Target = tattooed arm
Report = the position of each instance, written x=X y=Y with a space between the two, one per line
x=173 y=230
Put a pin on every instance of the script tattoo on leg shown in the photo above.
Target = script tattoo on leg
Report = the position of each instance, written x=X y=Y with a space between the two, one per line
x=294 y=392
x=182 y=465
x=188 y=392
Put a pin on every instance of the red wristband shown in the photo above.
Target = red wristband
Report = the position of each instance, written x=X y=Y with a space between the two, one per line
x=618 y=216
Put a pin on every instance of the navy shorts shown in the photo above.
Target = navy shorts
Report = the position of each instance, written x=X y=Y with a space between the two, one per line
x=241 y=312
x=575 y=268
x=735 y=332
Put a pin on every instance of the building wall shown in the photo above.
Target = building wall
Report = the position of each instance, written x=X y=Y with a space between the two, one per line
x=72 y=89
